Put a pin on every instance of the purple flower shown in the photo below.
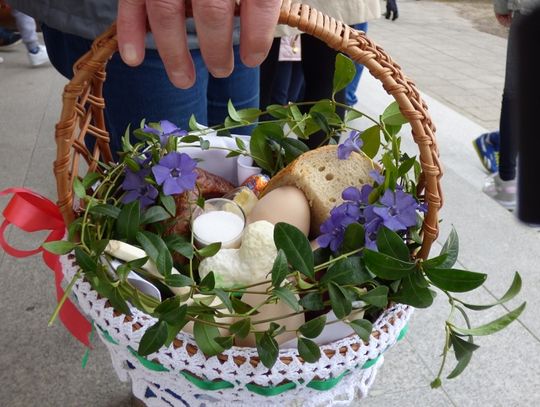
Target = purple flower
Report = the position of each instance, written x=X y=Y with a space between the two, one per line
x=377 y=176
x=333 y=229
x=137 y=188
x=397 y=210
x=353 y=143
x=168 y=129
x=176 y=171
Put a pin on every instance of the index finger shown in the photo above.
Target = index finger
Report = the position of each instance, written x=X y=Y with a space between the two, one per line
x=131 y=28
x=258 y=20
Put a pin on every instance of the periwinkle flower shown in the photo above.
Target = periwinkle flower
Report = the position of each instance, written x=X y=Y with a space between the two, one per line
x=137 y=188
x=352 y=143
x=397 y=210
x=168 y=129
x=176 y=172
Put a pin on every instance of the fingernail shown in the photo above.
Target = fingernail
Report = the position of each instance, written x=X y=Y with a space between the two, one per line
x=221 y=72
x=181 y=80
x=129 y=54
x=255 y=59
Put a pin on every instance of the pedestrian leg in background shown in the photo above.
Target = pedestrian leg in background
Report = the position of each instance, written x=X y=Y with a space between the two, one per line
x=350 y=90
x=391 y=10
x=37 y=53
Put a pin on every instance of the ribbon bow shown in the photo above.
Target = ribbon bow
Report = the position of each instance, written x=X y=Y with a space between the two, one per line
x=32 y=212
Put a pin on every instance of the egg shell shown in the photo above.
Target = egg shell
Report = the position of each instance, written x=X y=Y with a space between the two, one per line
x=284 y=204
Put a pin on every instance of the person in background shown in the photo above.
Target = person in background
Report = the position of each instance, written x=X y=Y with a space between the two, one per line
x=391 y=10
x=498 y=150
x=350 y=90
x=318 y=59
x=153 y=76
x=37 y=53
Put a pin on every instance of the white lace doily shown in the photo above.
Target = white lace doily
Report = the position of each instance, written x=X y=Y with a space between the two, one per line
x=181 y=375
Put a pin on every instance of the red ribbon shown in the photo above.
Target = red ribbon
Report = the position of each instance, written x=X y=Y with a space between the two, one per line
x=32 y=212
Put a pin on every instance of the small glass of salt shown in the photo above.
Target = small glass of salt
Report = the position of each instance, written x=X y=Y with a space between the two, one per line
x=221 y=220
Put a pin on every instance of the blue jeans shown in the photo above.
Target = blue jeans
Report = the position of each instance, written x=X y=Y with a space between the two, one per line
x=350 y=90
x=145 y=92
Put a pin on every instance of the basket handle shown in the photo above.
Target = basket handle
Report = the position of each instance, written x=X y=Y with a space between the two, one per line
x=86 y=89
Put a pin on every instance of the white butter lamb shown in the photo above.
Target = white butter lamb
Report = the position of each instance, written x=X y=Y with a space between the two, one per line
x=249 y=264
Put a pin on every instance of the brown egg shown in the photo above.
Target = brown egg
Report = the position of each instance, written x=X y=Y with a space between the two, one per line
x=284 y=204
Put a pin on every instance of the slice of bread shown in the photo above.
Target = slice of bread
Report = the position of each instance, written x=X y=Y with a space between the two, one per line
x=323 y=177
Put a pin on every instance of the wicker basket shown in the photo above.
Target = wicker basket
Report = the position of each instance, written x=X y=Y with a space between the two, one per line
x=181 y=374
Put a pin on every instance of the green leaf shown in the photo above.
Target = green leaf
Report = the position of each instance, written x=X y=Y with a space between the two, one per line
x=435 y=384
x=351 y=115
x=105 y=210
x=210 y=250
x=514 y=289
x=451 y=249
x=241 y=307
x=340 y=300
x=117 y=301
x=314 y=327
x=268 y=349
x=377 y=296
x=392 y=115
x=308 y=350
x=278 y=111
x=288 y=297
x=321 y=121
x=233 y=114
x=390 y=243
x=90 y=179
x=434 y=262
x=344 y=72
x=129 y=220
x=280 y=269
x=154 y=214
x=454 y=280
x=180 y=245
x=157 y=250
x=176 y=316
x=193 y=125
x=85 y=262
x=372 y=141
x=296 y=247
x=387 y=267
x=293 y=148
x=249 y=114
x=362 y=328
x=178 y=280
x=312 y=302
x=168 y=203
x=240 y=143
x=412 y=294
x=153 y=338
x=59 y=246
x=208 y=282
x=241 y=328
x=226 y=342
x=463 y=351
x=346 y=271
x=205 y=336
x=406 y=166
x=493 y=326
x=354 y=238
x=78 y=188
x=225 y=298
x=260 y=149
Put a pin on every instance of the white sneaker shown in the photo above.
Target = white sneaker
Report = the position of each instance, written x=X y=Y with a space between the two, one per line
x=39 y=58
x=504 y=192
x=1 y=60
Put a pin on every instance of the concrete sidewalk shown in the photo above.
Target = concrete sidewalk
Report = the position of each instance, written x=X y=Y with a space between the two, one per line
x=460 y=71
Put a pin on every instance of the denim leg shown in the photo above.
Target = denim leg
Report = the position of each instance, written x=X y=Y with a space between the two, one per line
x=27 y=27
x=350 y=90
x=282 y=82
x=508 y=142
x=241 y=87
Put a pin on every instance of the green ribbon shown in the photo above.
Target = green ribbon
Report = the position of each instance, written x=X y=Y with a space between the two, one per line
x=270 y=391
x=403 y=332
x=156 y=367
x=206 y=384
x=107 y=336
x=325 y=385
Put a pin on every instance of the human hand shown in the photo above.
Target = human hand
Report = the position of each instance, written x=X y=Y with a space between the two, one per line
x=214 y=21
x=504 y=19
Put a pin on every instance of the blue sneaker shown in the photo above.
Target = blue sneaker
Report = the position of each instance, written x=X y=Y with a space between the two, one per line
x=487 y=152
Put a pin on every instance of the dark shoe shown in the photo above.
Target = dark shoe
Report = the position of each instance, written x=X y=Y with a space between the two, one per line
x=387 y=15
x=8 y=40
x=396 y=15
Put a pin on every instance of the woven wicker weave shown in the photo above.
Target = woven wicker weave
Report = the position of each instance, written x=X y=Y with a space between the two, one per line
x=83 y=111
